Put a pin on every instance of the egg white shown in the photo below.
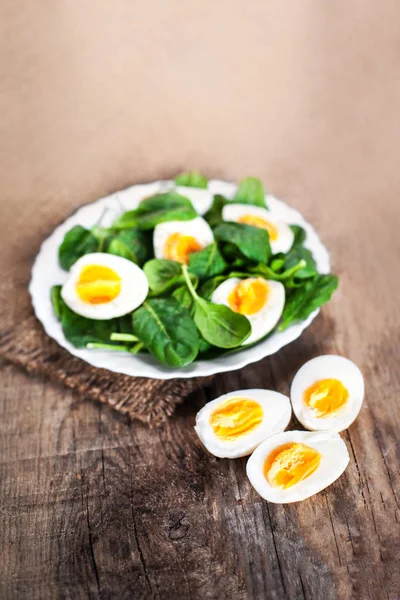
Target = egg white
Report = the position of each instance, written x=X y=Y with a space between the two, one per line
x=334 y=460
x=233 y=212
x=200 y=198
x=267 y=317
x=277 y=413
x=328 y=367
x=134 y=287
x=197 y=228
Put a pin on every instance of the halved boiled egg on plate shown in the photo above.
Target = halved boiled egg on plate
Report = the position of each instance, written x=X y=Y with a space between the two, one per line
x=104 y=286
x=294 y=465
x=200 y=198
x=176 y=240
x=327 y=393
x=281 y=236
x=234 y=424
x=260 y=300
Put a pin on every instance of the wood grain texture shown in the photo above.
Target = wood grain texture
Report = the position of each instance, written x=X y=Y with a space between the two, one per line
x=306 y=97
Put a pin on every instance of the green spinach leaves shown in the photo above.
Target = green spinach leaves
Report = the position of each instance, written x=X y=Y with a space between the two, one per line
x=167 y=330
x=207 y=262
x=252 y=242
x=178 y=322
x=303 y=300
x=157 y=209
x=132 y=244
x=192 y=179
x=250 y=191
x=77 y=242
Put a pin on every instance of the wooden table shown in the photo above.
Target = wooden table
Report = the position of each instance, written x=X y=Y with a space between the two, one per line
x=94 y=507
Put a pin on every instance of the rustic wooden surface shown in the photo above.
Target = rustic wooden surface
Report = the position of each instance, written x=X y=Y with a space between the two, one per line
x=308 y=98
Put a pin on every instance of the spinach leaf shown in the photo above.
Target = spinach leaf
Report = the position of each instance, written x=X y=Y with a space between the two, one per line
x=157 y=209
x=208 y=287
x=132 y=244
x=204 y=346
x=184 y=297
x=297 y=254
x=125 y=324
x=56 y=300
x=250 y=191
x=77 y=242
x=251 y=241
x=214 y=214
x=167 y=330
x=302 y=301
x=81 y=331
x=219 y=325
x=207 y=262
x=300 y=235
x=101 y=234
x=192 y=179
x=164 y=275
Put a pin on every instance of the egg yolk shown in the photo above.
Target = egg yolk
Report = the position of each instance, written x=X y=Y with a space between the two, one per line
x=290 y=464
x=178 y=247
x=261 y=223
x=236 y=417
x=249 y=296
x=326 y=397
x=98 y=284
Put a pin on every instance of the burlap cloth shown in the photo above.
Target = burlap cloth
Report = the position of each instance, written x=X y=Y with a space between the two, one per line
x=24 y=343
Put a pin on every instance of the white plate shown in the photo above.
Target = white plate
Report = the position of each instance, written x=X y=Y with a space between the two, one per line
x=46 y=272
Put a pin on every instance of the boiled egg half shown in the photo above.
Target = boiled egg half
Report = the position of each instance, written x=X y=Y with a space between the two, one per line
x=258 y=299
x=327 y=393
x=104 y=286
x=200 y=198
x=294 y=465
x=281 y=236
x=176 y=240
x=235 y=424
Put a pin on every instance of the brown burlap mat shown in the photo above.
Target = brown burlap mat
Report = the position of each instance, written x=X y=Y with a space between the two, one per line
x=150 y=400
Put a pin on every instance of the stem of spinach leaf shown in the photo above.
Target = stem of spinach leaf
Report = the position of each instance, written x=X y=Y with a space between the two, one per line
x=136 y=348
x=189 y=283
x=123 y=337
x=265 y=271
x=113 y=347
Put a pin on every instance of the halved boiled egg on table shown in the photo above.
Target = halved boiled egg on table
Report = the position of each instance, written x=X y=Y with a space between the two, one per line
x=234 y=424
x=104 y=286
x=281 y=236
x=176 y=240
x=294 y=465
x=260 y=300
x=327 y=393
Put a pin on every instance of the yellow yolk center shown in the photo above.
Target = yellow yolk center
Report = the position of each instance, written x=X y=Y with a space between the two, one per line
x=98 y=284
x=291 y=463
x=178 y=247
x=261 y=224
x=249 y=296
x=326 y=397
x=236 y=417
